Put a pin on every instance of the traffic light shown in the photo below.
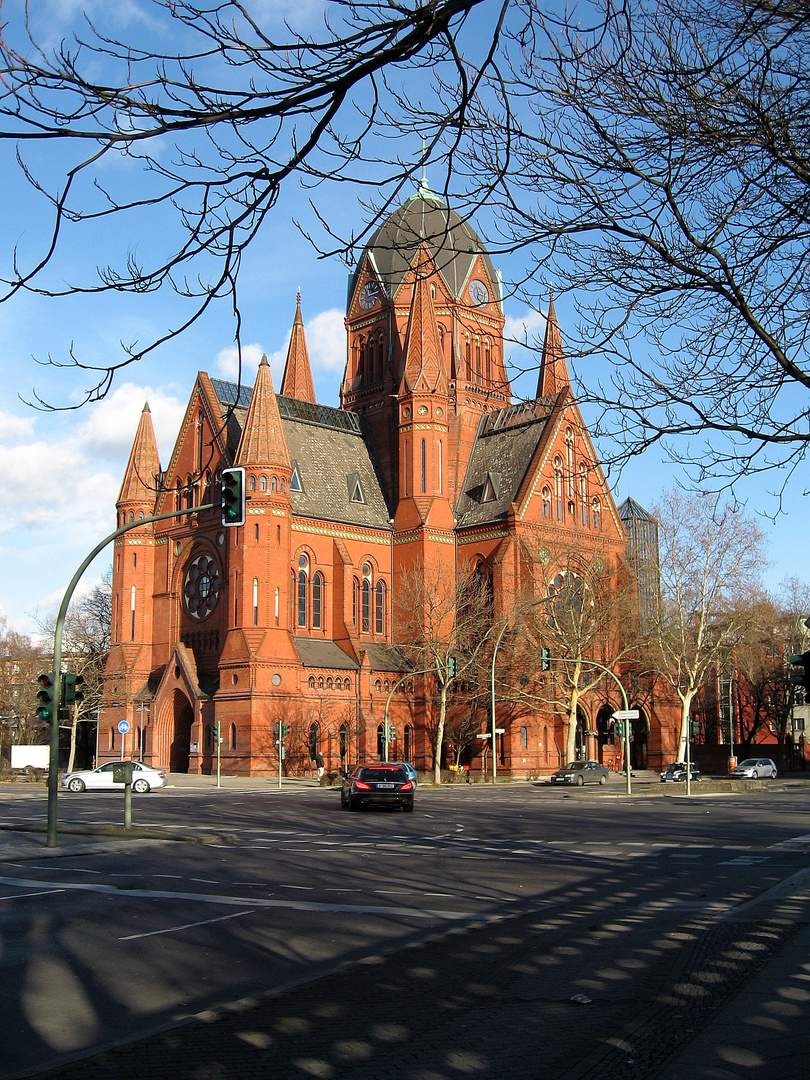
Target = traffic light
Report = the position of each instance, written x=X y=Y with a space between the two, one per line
x=71 y=689
x=46 y=698
x=618 y=727
x=545 y=659
x=215 y=731
x=233 y=497
x=452 y=667
x=800 y=678
x=285 y=730
x=694 y=728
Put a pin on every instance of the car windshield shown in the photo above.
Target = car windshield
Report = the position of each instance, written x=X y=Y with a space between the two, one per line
x=383 y=774
x=748 y=763
x=575 y=766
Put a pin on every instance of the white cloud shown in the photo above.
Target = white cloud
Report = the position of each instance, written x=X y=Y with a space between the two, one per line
x=326 y=341
x=528 y=327
x=228 y=362
x=112 y=423
x=15 y=427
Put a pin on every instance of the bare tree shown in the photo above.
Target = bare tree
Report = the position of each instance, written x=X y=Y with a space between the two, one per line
x=443 y=622
x=653 y=158
x=710 y=560
x=20 y=662
x=239 y=107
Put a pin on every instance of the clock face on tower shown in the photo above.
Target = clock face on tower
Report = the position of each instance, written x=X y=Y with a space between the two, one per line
x=369 y=295
x=479 y=293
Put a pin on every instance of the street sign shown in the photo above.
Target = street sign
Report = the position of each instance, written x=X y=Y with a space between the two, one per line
x=123 y=726
x=626 y=714
x=488 y=735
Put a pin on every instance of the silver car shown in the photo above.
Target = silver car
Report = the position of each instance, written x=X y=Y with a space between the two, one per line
x=581 y=772
x=144 y=778
x=755 y=767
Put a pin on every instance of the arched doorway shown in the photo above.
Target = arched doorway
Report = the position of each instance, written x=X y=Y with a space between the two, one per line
x=581 y=743
x=638 y=747
x=604 y=736
x=182 y=720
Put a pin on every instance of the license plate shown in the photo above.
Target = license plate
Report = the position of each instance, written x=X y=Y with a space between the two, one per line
x=386 y=785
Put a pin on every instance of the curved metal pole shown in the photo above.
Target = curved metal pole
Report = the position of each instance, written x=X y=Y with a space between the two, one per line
x=53 y=764
x=399 y=682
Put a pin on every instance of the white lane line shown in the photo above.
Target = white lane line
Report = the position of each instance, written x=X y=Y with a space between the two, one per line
x=224 y=899
x=21 y=896
x=185 y=926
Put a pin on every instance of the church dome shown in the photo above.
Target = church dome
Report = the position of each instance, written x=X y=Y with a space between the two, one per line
x=451 y=241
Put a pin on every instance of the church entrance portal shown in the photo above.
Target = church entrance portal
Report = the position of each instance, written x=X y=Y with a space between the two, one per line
x=181 y=733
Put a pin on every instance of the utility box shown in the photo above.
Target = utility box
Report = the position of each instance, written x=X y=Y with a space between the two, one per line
x=122 y=774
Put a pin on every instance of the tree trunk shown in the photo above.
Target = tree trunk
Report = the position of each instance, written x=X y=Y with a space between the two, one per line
x=686 y=705
x=437 y=753
x=571 y=735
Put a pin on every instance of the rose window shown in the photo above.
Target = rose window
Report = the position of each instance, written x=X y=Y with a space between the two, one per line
x=201 y=587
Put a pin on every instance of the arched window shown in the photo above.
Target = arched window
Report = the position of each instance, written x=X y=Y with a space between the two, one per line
x=366 y=623
x=263 y=484
x=423 y=464
x=370 y=361
x=407 y=751
x=546 y=496
x=361 y=365
x=440 y=464
x=314 y=740
x=320 y=682
x=317 y=600
x=558 y=488
x=273 y=483
x=131 y=516
x=487 y=361
x=405 y=492
x=233 y=736
x=379 y=607
x=178 y=495
x=478 y=360
x=377 y=686
x=329 y=683
x=524 y=738
x=140 y=515
x=583 y=493
x=596 y=512
x=255 y=601
x=252 y=483
x=468 y=358
x=380 y=742
x=303 y=581
x=569 y=461
x=380 y=358
x=282 y=485
x=338 y=683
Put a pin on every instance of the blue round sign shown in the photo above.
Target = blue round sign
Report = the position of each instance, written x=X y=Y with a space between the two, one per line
x=123 y=726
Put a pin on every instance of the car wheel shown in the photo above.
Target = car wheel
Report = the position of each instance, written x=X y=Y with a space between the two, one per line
x=344 y=805
x=755 y=775
x=580 y=781
x=141 y=786
x=76 y=784
x=773 y=775
x=408 y=808
x=603 y=779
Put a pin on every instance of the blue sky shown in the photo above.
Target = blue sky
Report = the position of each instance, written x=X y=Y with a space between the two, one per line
x=60 y=471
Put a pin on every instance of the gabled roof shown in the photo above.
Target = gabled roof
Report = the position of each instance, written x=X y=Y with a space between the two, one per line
x=503 y=451
x=140 y=483
x=297 y=379
x=631 y=511
x=327 y=446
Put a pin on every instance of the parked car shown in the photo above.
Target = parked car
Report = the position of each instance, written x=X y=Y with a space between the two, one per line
x=409 y=769
x=386 y=783
x=755 y=767
x=144 y=778
x=676 y=773
x=581 y=772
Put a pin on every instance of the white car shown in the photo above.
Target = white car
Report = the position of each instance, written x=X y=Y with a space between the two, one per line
x=144 y=778
x=755 y=767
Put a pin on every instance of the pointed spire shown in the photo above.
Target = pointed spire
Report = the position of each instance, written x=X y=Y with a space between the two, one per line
x=140 y=477
x=297 y=379
x=422 y=348
x=263 y=441
x=553 y=368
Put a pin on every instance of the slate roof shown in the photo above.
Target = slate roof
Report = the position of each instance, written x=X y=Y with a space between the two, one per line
x=503 y=451
x=331 y=451
x=386 y=658
x=425 y=218
x=324 y=654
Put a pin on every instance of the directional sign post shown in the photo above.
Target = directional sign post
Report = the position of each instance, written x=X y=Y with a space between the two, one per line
x=627 y=715
x=123 y=727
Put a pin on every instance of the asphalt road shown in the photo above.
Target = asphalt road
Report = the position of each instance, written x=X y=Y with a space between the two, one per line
x=100 y=949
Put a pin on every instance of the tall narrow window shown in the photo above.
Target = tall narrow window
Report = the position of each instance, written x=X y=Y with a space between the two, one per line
x=344 y=744
x=235 y=597
x=233 y=736
x=255 y=601
x=558 y=488
x=408 y=743
x=199 y=434
x=256 y=531
x=569 y=461
x=468 y=358
x=317 y=597
x=366 y=624
x=583 y=493
x=276 y=604
x=596 y=512
x=524 y=738
x=362 y=364
x=252 y=483
x=478 y=361
x=370 y=360
x=355 y=599
x=441 y=467
x=546 y=496
x=379 y=608
x=303 y=581
x=487 y=362
x=132 y=608
x=406 y=468
x=423 y=456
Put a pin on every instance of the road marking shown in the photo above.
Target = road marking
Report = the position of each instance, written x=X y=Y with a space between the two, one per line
x=185 y=926
x=21 y=896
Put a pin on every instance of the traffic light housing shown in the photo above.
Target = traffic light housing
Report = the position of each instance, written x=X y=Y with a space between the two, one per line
x=452 y=667
x=800 y=678
x=618 y=727
x=694 y=728
x=71 y=689
x=232 y=498
x=46 y=696
x=545 y=659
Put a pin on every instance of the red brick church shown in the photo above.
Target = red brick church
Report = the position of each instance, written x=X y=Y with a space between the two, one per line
x=292 y=617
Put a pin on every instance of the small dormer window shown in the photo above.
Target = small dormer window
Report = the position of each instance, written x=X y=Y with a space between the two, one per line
x=357 y=494
x=488 y=494
x=355 y=488
x=295 y=480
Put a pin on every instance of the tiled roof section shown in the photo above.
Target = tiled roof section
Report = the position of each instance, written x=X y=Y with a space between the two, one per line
x=502 y=454
x=327 y=445
x=262 y=441
x=140 y=478
x=422 y=353
x=553 y=367
x=453 y=244
x=387 y=658
x=631 y=511
x=324 y=654
x=297 y=379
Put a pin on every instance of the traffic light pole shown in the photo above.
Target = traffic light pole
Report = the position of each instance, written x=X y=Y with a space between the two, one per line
x=399 y=682
x=53 y=765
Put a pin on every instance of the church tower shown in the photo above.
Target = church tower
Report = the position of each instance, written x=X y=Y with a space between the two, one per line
x=553 y=374
x=297 y=379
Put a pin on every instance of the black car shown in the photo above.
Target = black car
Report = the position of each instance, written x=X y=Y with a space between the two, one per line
x=676 y=773
x=382 y=784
